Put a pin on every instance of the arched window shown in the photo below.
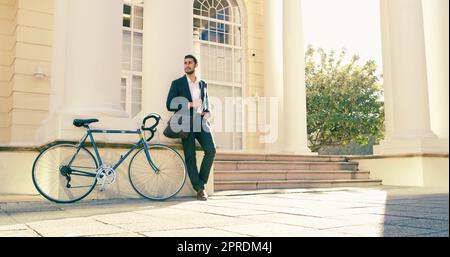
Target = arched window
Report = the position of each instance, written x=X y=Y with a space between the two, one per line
x=218 y=44
x=133 y=31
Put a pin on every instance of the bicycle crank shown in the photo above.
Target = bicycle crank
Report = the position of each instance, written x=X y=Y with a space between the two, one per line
x=106 y=176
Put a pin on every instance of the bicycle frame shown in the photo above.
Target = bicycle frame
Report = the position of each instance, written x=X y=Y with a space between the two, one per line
x=141 y=142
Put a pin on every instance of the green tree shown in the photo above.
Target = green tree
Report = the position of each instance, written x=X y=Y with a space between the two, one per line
x=344 y=100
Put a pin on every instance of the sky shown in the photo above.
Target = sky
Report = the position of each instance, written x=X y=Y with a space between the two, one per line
x=353 y=24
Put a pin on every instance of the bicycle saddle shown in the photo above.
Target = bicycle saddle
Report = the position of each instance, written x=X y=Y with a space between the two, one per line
x=83 y=122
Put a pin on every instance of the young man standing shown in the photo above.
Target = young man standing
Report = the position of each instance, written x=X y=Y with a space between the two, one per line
x=194 y=92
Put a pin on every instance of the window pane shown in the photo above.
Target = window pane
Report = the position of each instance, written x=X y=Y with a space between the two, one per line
x=137 y=87
x=229 y=61
x=238 y=119
x=220 y=15
x=223 y=123
x=196 y=23
x=138 y=39
x=123 y=93
x=137 y=65
x=238 y=66
x=237 y=36
x=126 y=9
x=212 y=13
x=132 y=47
x=236 y=15
x=126 y=50
x=227 y=14
x=138 y=17
x=126 y=15
x=137 y=52
x=136 y=95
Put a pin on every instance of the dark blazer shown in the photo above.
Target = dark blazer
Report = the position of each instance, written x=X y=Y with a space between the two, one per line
x=180 y=88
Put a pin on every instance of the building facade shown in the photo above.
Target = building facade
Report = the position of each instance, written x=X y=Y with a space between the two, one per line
x=114 y=60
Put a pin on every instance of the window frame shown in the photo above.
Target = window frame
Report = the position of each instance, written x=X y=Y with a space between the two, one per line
x=231 y=22
x=128 y=74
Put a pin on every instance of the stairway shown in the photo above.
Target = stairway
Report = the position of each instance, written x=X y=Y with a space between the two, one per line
x=239 y=171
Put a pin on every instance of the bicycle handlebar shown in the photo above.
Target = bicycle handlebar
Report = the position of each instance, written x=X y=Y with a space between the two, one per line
x=152 y=128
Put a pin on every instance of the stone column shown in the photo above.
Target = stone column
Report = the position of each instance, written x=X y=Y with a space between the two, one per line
x=273 y=73
x=387 y=77
x=94 y=57
x=87 y=56
x=436 y=19
x=406 y=78
x=295 y=126
x=168 y=38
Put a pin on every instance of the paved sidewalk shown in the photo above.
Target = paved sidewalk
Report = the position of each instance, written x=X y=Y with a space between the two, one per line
x=337 y=212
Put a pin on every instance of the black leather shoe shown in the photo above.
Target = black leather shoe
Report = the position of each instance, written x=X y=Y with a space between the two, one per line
x=202 y=196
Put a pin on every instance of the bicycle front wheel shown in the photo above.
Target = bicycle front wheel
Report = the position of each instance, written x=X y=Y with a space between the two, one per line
x=65 y=173
x=163 y=183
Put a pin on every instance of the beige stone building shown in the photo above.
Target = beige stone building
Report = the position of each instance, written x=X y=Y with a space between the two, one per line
x=114 y=60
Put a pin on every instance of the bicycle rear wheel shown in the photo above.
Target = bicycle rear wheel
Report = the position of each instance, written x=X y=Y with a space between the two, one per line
x=161 y=184
x=64 y=173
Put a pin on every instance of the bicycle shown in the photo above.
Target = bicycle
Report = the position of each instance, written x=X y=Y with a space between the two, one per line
x=68 y=172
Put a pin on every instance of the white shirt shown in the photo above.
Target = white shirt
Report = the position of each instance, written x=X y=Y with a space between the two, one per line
x=194 y=87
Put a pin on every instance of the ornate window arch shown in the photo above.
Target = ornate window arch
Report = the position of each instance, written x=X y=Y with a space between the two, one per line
x=217 y=40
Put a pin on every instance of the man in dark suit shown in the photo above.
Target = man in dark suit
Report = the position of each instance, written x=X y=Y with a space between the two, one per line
x=195 y=103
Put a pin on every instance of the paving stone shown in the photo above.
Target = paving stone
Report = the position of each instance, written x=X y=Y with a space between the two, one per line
x=304 y=221
x=19 y=233
x=425 y=223
x=268 y=230
x=415 y=209
x=6 y=219
x=29 y=207
x=359 y=211
x=119 y=235
x=26 y=217
x=423 y=215
x=434 y=234
x=73 y=227
x=157 y=224
x=13 y=227
x=228 y=211
x=121 y=218
x=195 y=232
x=194 y=218
x=381 y=230
x=374 y=219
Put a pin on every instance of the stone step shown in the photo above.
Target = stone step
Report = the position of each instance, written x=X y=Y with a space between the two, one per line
x=277 y=157
x=267 y=175
x=292 y=184
x=283 y=165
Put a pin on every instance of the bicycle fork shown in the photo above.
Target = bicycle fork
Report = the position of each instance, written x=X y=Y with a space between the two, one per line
x=149 y=158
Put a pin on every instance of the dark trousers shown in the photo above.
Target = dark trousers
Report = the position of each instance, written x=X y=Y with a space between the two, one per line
x=199 y=179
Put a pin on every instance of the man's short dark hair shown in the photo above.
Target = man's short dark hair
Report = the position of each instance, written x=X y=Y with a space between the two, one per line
x=189 y=56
